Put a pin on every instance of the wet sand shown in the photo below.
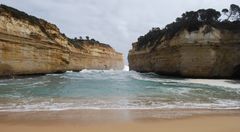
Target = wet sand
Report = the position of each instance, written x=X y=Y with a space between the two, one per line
x=122 y=121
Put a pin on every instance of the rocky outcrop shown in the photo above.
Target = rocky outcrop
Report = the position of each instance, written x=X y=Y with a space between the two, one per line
x=205 y=53
x=91 y=55
x=29 y=45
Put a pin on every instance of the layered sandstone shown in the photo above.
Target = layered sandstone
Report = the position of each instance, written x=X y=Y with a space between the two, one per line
x=29 y=45
x=205 y=53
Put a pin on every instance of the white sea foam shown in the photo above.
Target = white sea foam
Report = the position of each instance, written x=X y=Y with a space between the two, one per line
x=210 y=82
x=39 y=83
x=126 y=68
x=118 y=90
x=121 y=104
x=46 y=106
x=216 y=82
x=3 y=84
x=85 y=71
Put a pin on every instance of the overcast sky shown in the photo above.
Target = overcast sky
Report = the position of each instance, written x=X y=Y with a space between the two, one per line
x=115 y=22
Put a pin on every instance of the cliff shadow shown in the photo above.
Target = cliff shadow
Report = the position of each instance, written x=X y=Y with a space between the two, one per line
x=236 y=72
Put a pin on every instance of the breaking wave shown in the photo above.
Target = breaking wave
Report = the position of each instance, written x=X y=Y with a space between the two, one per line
x=109 y=89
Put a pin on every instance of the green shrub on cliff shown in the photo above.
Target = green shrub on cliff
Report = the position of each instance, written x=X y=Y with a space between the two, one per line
x=233 y=13
x=192 y=21
x=78 y=42
x=45 y=26
x=151 y=36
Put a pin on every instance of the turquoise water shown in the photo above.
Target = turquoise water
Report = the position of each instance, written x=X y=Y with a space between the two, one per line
x=116 y=90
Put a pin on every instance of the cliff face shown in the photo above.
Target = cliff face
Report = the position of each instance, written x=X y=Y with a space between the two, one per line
x=95 y=56
x=206 y=53
x=29 y=45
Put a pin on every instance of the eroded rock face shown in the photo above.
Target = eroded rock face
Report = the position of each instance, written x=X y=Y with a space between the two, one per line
x=95 y=56
x=29 y=45
x=199 y=54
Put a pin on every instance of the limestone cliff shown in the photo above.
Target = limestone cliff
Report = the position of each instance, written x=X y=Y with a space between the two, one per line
x=29 y=45
x=208 y=52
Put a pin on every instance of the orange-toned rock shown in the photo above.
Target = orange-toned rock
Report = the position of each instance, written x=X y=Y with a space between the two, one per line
x=29 y=45
x=198 y=54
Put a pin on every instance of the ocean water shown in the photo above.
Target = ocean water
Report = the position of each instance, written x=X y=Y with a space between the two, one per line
x=92 y=89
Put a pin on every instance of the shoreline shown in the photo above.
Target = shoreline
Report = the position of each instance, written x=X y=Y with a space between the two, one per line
x=121 y=121
x=116 y=115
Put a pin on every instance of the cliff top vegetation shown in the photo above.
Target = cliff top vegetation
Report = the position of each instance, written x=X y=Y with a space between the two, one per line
x=77 y=42
x=12 y=12
x=228 y=19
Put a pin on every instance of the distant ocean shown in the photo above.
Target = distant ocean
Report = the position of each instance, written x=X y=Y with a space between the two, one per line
x=92 y=89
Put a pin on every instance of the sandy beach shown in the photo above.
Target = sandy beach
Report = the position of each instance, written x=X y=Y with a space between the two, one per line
x=114 y=120
x=199 y=124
